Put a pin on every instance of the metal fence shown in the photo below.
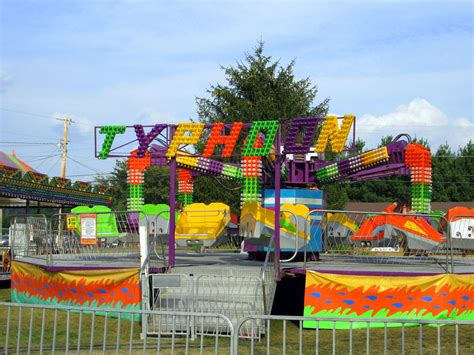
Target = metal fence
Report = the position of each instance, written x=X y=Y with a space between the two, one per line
x=234 y=292
x=285 y=334
x=115 y=239
x=235 y=295
x=383 y=238
x=29 y=236
x=347 y=236
x=50 y=329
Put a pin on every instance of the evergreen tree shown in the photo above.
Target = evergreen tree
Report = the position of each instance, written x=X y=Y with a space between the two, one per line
x=260 y=89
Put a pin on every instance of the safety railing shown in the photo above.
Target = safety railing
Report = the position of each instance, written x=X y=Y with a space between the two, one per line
x=286 y=334
x=28 y=236
x=383 y=238
x=235 y=295
x=55 y=329
x=171 y=293
x=112 y=237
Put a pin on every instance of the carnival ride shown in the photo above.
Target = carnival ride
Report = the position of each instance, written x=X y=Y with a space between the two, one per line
x=278 y=168
x=274 y=159
x=257 y=222
x=19 y=181
x=203 y=225
x=393 y=231
x=462 y=227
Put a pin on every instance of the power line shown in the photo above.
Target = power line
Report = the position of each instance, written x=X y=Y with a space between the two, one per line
x=453 y=157
x=41 y=116
x=27 y=143
x=83 y=165
x=98 y=174
x=43 y=158
x=52 y=166
x=24 y=135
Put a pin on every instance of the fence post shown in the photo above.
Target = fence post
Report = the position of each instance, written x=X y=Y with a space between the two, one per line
x=235 y=336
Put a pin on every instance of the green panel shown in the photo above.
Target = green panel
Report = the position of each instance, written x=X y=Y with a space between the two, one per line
x=270 y=128
x=106 y=222
x=151 y=209
x=110 y=132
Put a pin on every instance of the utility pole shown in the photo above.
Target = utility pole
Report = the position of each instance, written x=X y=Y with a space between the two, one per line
x=67 y=122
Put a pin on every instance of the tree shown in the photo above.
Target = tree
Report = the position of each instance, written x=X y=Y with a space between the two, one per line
x=336 y=195
x=117 y=181
x=257 y=88
x=452 y=178
x=260 y=89
x=156 y=185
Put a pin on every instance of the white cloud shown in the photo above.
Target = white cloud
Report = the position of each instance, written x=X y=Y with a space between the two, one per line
x=6 y=80
x=419 y=118
x=153 y=116
x=83 y=124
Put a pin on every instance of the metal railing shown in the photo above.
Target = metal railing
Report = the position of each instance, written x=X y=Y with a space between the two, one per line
x=35 y=236
x=117 y=239
x=235 y=295
x=286 y=334
x=58 y=240
x=29 y=236
x=371 y=237
x=50 y=329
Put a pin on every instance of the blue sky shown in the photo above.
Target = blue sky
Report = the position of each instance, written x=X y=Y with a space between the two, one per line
x=399 y=66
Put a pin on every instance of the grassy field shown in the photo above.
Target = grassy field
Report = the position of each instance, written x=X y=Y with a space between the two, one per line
x=73 y=329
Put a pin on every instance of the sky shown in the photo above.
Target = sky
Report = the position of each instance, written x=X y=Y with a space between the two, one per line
x=399 y=66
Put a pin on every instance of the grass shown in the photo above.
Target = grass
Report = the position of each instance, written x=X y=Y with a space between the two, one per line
x=106 y=333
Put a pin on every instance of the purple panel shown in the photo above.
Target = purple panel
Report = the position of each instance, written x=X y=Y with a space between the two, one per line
x=158 y=155
x=396 y=151
x=309 y=125
x=397 y=146
x=344 y=167
x=380 y=171
x=144 y=140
